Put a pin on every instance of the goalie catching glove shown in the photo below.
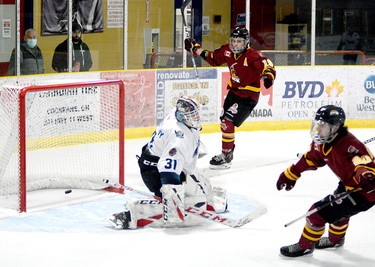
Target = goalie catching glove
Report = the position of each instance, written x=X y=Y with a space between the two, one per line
x=192 y=46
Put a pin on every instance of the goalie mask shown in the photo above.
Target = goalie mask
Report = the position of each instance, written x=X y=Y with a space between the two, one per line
x=239 y=40
x=187 y=112
x=326 y=124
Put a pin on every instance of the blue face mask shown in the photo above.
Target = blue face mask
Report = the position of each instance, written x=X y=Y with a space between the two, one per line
x=31 y=42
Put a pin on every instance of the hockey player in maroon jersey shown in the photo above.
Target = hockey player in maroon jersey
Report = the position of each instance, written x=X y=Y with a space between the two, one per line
x=246 y=67
x=352 y=162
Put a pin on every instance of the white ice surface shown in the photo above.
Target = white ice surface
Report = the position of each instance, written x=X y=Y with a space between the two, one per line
x=72 y=229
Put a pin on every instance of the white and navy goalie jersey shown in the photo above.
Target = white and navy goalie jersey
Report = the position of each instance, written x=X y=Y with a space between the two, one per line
x=176 y=145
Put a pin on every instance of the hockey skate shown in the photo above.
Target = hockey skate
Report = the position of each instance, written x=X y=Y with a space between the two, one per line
x=221 y=161
x=120 y=220
x=295 y=251
x=324 y=242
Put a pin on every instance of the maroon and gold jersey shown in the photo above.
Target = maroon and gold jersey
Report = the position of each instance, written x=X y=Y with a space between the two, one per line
x=245 y=69
x=343 y=156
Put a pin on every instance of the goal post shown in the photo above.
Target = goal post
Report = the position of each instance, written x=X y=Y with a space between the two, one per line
x=60 y=135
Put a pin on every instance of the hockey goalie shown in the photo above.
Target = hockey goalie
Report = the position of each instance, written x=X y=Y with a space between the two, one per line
x=168 y=169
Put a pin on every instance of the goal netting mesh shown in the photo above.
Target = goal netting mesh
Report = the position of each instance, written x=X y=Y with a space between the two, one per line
x=59 y=135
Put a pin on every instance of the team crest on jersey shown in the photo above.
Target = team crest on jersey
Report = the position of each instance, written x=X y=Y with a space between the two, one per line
x=353 y=150
x=172 y=152
x=179 y=134
x=233 y=74
x=227 y=53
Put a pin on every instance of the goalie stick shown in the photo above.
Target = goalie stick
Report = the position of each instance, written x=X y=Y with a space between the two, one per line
x=299 y=155
x=208 y=215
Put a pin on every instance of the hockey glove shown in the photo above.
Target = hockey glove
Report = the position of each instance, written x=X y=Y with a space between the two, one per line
x=365 y=178
x=287 y=179
x=191 y=46
x=268 y=77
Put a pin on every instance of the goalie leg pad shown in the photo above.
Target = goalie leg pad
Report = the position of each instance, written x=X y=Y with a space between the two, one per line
x=144 y=212
x=173 y=203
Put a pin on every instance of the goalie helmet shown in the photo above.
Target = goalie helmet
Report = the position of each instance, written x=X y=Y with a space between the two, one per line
x=187 y=112
x=239 y=33
x=327 y=122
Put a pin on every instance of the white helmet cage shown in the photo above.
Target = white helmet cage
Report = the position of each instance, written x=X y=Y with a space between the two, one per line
x=243 y=35
x=187 y=112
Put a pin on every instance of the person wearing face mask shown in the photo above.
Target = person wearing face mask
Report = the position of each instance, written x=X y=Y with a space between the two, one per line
x=81 y=58
x=31 y=57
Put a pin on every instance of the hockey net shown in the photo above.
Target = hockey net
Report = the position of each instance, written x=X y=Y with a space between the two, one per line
x=60 y=135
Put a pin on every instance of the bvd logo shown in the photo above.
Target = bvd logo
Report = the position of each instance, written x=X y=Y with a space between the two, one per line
x=370 y=84
x=312 y=89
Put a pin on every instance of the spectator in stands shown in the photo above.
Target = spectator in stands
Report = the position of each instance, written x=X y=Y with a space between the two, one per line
x=349 y=41
x=31 y=58
x=81 y=58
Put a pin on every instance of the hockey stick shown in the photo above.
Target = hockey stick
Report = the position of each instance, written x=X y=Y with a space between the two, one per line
x=299 y=155
x=212 y=216
x=369 y=140
x=183 y=7
x=339 y=197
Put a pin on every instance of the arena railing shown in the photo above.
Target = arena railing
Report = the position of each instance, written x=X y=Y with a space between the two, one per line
x=279 y=57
